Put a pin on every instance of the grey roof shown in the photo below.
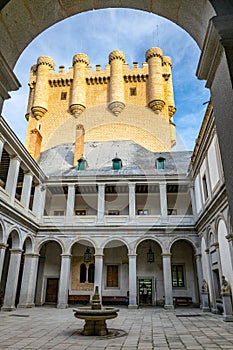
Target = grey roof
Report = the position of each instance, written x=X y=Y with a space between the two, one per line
x=137 y=160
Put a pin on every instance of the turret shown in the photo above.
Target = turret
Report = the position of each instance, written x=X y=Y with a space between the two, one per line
x=155 y=87
x=116 y=60
x=78 y=91
x=41 y=94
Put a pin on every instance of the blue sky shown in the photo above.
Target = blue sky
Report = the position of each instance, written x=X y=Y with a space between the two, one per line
x=97 y=33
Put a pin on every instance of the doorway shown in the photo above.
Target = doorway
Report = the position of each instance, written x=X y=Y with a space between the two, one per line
x=51 y=290
x=145 y=291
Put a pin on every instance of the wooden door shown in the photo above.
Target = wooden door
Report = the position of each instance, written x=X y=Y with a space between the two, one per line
x=51 y=290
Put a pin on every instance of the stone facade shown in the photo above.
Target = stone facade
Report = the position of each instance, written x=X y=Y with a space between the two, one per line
x=117 y=95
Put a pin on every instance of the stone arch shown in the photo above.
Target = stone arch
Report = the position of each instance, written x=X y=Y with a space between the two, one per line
x=186 y=239
x=15 y=234
x=82 y=240
x=2 y=231
x=116 y=239
x=40 y=244
x=188 y=16
x=28 y=244
x=155 y=239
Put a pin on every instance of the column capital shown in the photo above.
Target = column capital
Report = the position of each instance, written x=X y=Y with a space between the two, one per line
x=15 y=157
x=229 y=237
x=16 y=251
x=166 y=255
x=132 y=255
x=66 y=256
x=31 y=255
x=3 y=246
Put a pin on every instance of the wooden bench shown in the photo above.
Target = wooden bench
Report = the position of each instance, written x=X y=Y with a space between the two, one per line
x=116 y=300
x=182 y=301
x=79 y=299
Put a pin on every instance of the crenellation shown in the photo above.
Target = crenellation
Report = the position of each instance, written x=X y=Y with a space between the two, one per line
x=55 y=97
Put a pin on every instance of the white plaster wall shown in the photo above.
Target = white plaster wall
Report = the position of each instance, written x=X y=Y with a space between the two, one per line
x=117 y=201
x=197 y=191
x=88 y=202
x=213 y=164
x=225 y=252
x=179 y=201
x=52 y=260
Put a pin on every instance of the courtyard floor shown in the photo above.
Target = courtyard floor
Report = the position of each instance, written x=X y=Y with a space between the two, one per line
x=143 y=329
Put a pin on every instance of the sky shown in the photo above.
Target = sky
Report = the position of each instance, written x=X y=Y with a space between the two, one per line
x=97 y=33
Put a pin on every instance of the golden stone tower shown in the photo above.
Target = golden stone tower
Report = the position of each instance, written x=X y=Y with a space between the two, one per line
x=115 y=103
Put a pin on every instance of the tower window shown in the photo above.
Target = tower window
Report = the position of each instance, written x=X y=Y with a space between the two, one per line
x=63 y=95
x=133 y=91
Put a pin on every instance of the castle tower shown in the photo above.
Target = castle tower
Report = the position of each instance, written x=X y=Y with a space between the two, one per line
x=41 y=95
x=155 y=93
x=78 y=92
x=116 y=60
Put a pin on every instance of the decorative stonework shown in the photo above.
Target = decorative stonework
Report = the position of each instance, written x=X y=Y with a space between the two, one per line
x=154 y=52
x=167 y=61
x=156 y=105
x=171 y=111
x=77 y=109
x=45 y=60
x=117 y=55
x=81 y=57
x=116 y=107
x=38 y=112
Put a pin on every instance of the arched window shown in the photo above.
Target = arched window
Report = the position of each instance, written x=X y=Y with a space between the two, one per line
x=83 y=271
x=91 y=272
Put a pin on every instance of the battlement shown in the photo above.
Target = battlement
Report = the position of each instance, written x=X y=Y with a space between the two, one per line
x=57 y=96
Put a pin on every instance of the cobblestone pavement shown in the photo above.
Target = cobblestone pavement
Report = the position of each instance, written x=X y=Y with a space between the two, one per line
x=148 y=328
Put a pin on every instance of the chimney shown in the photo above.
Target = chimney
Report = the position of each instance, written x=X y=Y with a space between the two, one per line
x=79 y=143
x=35 y=141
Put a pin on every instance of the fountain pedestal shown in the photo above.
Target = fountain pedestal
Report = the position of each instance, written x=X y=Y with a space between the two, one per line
x=95 y=316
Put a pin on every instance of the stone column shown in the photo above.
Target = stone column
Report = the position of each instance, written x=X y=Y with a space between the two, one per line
x=211 y=286
x=78 y=91
x=39 y=202
x=117 y=99
x=99 y=271
x=12 y=280
x=132 y=202
x=163 y=201
x=41 y=96
x=2 y=141
x=167 y=280
x=26 y=190
x=12 y=177
x=199 y=272
x=155 y=85
x=101 y=203
x=70 y=203
x=64 y=282
x=2 y=256
x=28 y=285
x=132 y=281
x=193 y=201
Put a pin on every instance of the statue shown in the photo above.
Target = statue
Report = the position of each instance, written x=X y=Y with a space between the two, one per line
x=204 y=287
x=225 y=289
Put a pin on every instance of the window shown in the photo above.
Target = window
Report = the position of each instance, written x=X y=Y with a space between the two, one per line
x=58 y=213
x=205 y=188
x=143 y=212
x=83 y=272
x=80 y=212
x=113 y=212
x=161 y=163
x=133 y=91
x=112 y=276
x=63 y=95
x=177 y=276
x=91 y=273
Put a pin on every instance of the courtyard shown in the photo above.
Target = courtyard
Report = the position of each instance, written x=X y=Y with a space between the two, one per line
x=145 y=328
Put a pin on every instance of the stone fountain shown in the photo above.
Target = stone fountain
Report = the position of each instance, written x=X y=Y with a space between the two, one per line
x=95 y=316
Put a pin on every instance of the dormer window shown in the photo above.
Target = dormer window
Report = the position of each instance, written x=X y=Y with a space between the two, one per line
x=116 y=163
x=161 y=163
x=82 y=163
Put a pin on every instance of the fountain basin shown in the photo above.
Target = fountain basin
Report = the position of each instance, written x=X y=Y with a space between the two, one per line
x=95 y=320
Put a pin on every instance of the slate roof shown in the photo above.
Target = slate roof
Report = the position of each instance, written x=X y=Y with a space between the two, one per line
x=137 y=160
